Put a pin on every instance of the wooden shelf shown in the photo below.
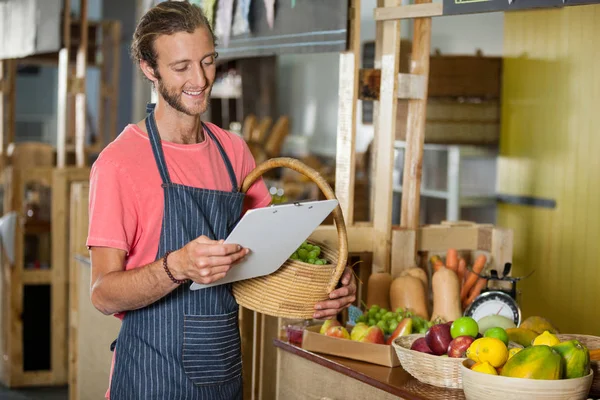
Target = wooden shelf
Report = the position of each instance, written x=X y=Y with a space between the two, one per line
x=37 y=227
x=37 y=276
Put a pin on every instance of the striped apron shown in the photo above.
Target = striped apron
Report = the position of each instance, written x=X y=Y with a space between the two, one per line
x=187 y=344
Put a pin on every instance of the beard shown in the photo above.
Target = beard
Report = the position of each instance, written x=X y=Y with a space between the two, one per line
x=173 y=98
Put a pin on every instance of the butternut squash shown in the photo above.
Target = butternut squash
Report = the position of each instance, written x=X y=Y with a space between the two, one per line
x=445 y=286
x=378 y=289
x=417 y=273
x=408 y=292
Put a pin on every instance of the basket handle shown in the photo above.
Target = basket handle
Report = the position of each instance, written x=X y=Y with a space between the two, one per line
x=312 y=174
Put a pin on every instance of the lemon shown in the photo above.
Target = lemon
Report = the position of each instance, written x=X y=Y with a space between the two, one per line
x=488 y=349
x=514 y=351
x=546 y=338
x=484 y=367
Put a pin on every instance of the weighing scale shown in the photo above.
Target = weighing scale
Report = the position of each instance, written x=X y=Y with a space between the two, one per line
x=497 y=301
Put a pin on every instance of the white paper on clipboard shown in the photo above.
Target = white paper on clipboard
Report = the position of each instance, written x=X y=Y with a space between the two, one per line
x=272 y=234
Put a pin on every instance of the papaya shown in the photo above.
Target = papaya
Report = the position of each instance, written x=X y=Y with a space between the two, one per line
x=522 y=336
x=575 y=358
x=538 y=325
x=534 y=362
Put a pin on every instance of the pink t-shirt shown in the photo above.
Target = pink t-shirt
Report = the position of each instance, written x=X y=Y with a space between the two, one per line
x=126 y=197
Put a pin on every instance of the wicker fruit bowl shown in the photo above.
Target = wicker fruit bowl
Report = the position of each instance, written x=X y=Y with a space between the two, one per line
x=428 y=368
x=293 y=290
x=477 y=386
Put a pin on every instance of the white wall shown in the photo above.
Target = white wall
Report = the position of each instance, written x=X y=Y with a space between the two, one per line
x=308 y=84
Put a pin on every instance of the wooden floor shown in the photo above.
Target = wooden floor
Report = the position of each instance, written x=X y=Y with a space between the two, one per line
x=54 y=393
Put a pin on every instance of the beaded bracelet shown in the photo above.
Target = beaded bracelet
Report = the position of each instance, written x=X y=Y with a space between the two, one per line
x=177 y=281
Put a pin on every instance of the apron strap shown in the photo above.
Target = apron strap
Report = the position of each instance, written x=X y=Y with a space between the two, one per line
x=226 y=160
x=156 y=146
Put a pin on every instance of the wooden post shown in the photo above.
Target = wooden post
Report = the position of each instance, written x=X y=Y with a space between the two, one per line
x=63 y=86
x=346 y=131
x=8 y=77
x=80 y=98
x=415 y=130
x=385 y=131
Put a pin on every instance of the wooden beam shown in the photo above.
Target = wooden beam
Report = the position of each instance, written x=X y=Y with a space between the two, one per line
x=360 y=237
x=63 y=89
x=2 y=100
x=415 y=129
x=385 y=131
x=346 y=130
x=403 y=250
x=409 y=86
x=419 y=10
x=80 y=96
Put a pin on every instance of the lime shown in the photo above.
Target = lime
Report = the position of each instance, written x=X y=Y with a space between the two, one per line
x=464 y=326
x=498 y=333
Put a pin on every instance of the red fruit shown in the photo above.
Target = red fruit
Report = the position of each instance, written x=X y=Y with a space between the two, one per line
x=438 y=338
x=338 y=332
x=459 y=345
x=374 y=335
x=421 y=345
x=404 y=328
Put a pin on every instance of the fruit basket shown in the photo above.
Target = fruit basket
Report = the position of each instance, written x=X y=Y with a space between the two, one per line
x=294 y=289
x=479 y=386
x=428 y=368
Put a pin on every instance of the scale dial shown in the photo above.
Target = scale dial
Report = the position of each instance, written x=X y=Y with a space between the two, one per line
x=494 y=303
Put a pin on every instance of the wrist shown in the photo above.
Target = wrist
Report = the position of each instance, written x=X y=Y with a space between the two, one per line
x=170 y=264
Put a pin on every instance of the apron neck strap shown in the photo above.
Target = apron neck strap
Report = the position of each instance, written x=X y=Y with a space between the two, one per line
x=156 y=144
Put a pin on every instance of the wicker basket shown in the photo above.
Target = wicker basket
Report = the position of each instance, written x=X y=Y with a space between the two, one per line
x=479 y=386
x=591 y=342
x=427 y=368
x=293 y=290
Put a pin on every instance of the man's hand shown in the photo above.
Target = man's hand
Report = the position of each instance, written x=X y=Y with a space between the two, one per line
x=339 y=298
x=204 y=260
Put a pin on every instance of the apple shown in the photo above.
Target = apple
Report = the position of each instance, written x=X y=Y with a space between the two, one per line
x=328 y=324
x=438 y=338
x=359 y=331
x=459 y=345
x=403 y=328
x=338 y=332
x=421 y=345
x=374 y=335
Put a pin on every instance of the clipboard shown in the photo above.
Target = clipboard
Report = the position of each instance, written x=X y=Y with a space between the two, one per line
x=272 y=234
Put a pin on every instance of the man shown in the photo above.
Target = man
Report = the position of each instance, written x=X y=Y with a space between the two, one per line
x=163 y=196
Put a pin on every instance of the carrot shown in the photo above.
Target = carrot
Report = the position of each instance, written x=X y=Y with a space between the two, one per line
x=472 y=279
x=452 y=259
x=437 y=263
x=461 y=270
x=479 y=286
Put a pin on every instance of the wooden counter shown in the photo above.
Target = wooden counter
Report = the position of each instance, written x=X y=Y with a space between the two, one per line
x=306 y=375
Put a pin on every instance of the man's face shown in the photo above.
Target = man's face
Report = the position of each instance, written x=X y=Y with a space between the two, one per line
x=186 y=70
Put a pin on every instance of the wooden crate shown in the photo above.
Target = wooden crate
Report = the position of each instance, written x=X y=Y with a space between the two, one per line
x=34 y=312
x=451 y=121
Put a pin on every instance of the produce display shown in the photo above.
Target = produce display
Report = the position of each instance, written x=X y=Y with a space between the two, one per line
x=454 y=286
x=308 y=253
x=378 y=325
x=543 y=356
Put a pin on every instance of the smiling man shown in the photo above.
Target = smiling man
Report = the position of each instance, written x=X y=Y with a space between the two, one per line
x=163 y=196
